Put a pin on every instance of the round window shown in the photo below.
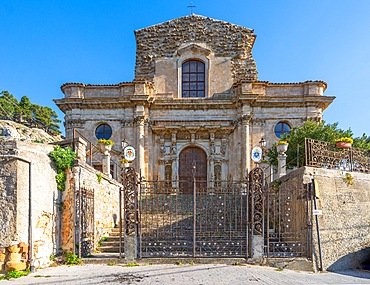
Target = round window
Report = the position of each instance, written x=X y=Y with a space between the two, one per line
x=103 y=131
x=281 y=128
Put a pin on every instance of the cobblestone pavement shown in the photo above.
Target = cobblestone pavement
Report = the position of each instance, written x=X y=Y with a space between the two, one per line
x=186 y=274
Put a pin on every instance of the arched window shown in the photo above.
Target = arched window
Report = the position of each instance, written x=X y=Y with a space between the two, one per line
x=103 y=131
x=193 y=79
x=281 y=128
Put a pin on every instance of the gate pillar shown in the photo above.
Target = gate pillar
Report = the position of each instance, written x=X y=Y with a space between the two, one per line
x=257 y=246
x=256 y=178
x=131 y=214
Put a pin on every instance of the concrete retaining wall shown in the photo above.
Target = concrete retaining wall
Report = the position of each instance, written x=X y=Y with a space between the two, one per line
x=345 y=220
x=344 y=225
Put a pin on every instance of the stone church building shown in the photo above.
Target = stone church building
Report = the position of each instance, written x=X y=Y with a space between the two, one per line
x=195 y=99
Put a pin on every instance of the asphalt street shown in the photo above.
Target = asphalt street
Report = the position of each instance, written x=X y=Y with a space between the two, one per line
x=186 y=274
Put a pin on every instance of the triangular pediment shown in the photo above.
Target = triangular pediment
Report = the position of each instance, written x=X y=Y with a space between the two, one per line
x=194 y=48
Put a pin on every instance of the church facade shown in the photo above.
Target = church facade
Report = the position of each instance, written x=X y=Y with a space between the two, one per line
x=195 y=101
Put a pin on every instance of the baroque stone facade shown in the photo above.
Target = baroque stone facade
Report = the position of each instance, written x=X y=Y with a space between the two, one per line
x=217 y=105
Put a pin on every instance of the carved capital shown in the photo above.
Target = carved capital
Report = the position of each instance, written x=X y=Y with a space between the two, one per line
x=246 y=119
x=141 y=120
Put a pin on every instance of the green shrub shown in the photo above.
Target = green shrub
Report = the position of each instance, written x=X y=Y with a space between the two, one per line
x=318 y=131
x=61 y=179
x=99 y=176
x=63 y=159
x=71 y=258
x=133 y=264
x=101 y=241
x=15 y=274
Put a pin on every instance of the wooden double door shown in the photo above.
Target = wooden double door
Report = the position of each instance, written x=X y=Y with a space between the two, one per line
x=192 y=164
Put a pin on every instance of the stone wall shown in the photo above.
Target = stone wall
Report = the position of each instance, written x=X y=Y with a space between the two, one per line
x=106 y=204
x=8 y=201
x=344 y=225
x=345 y=221
x=14 y=200
x=225 y=40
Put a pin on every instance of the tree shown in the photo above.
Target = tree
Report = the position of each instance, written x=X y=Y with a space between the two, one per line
x=47 y=117
x=26 y=108
x=24 y=111
x=8 y=105
x=317 y=131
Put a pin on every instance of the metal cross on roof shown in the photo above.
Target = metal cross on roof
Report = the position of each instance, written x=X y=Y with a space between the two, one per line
x=191 y=6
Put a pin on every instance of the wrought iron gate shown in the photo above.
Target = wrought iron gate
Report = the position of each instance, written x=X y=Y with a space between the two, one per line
x=288 y=206
x=208 y=222
x=223 y=219
x=85 y=221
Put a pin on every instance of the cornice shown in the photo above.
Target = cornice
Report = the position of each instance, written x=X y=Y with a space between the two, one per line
x=66 y=104
x=292 y=101
x=193 y=104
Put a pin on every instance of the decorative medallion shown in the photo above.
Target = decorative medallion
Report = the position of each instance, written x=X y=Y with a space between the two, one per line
x=256 y=154
x=129 y=153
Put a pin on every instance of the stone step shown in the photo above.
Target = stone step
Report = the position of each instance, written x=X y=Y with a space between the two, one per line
x=115 y=230
x=112 y=249
x=115 y=237
x=110 y=243
x=114 y=234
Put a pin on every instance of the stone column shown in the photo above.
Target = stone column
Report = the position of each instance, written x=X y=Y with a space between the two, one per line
x=162 y=157
x=281 y=165
x=141 y=147
x=212 y=151
x=224 y=160
x=174 y=160
x=106 y=160
x=246 y=161
x=282 y=148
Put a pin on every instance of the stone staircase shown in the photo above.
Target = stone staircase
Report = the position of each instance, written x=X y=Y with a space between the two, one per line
x=111 y=244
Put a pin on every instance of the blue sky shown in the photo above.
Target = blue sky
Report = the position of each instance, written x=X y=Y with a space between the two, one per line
x=46 y=43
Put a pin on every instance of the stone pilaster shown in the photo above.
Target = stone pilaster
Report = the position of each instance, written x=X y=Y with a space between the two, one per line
x=212 y=151
x=140 y=122
x=246 y=145
x=175 y=160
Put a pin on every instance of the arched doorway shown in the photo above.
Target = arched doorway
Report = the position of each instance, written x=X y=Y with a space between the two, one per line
x=189 y=157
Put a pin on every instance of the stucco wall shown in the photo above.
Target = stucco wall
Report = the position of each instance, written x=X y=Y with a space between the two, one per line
x=14 y=189
x=106 y=204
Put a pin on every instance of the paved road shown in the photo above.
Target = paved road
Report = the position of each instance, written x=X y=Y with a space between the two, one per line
x=186 y=274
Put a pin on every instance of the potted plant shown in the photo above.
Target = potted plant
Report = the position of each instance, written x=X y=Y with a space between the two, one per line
x=282 y=146
x=125 y=162
x=344 y=143
x=105 y=145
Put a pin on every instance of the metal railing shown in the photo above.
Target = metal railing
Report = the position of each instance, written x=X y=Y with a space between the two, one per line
x=325 y=155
